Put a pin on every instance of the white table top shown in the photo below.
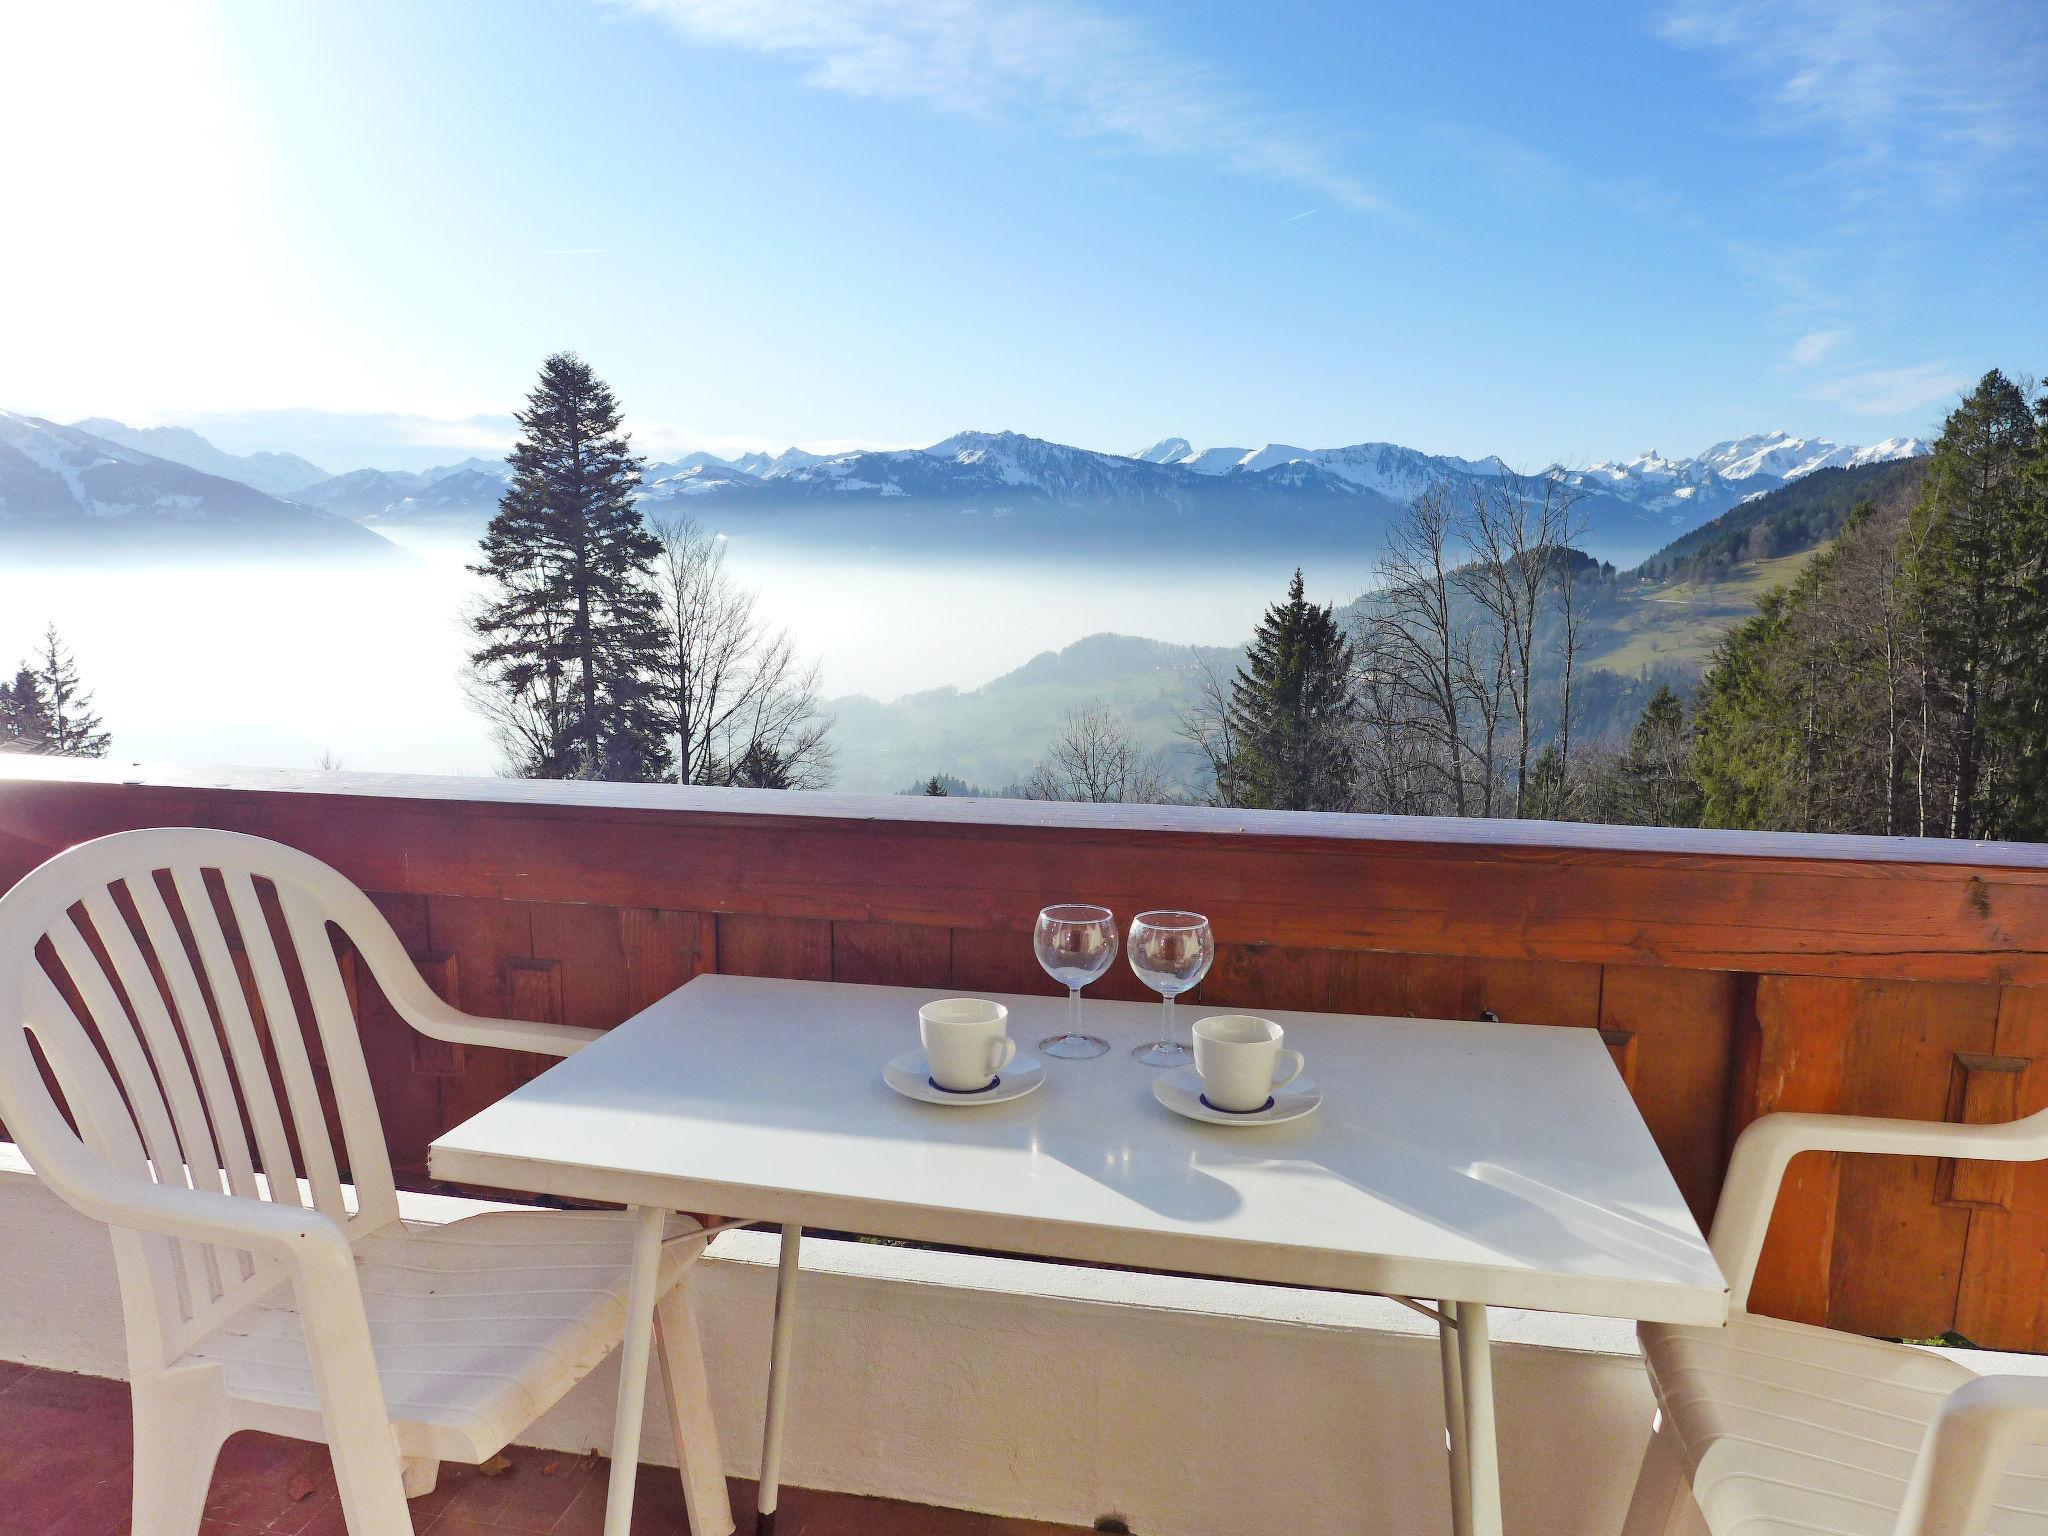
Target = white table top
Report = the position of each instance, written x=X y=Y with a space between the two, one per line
x=1494 y=1163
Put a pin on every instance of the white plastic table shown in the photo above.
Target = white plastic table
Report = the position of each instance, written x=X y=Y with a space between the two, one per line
x=1473 y=1164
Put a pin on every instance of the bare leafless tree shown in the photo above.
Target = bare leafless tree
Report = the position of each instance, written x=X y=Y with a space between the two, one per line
x=742 y=705
x=1205 y=724
x=1096 y=758
x=1515 y=525
x=1415 y=644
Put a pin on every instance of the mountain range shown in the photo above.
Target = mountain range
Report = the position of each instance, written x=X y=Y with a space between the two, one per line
x=989 y=493
x=69 y=493
x=997 y=490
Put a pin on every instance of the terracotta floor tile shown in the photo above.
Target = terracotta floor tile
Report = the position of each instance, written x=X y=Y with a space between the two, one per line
x=843 y=1514
x=529 y=1499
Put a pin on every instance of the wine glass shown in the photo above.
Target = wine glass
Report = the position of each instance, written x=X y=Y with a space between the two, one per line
x=1076 y=944
x=1171 y=952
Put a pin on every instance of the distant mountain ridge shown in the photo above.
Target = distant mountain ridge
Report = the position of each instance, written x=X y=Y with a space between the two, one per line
x=996 y=492
x=66 y=493
x=275 y=474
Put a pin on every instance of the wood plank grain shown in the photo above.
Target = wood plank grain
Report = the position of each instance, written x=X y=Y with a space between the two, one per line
x=892 y=954
x=1802 y=1026
x=1681 y=1027
x=483 y=935
x=2003 y=1302
x=793 y=948
x=1898 y=1249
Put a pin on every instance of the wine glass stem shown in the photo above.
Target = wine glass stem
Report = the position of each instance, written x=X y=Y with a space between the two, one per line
x=1166 y=1003
x=1073 y=1010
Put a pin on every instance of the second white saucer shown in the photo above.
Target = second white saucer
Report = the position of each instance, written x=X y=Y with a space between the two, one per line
x=911 y=1075
x=1181 y=1092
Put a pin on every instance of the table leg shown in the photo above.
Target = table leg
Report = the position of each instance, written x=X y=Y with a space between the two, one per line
x=778 y=1382
x=1454 y=1417
x=1482 y=1455
x=648 y=1224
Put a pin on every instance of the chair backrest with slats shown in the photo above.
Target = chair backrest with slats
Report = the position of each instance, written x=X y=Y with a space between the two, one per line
x=180 y=1018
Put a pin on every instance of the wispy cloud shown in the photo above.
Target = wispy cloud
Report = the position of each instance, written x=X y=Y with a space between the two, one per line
x=1891 y=391
x=1899 y=88
x=1085 y=73
x=1296 y=218
x=1815 y=347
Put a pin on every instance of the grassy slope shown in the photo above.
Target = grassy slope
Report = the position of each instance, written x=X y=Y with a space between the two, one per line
x=1678 y=622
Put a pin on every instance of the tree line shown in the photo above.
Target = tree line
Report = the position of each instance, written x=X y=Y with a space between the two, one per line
x=45 y=710
x=1900 y=684
x=612 y=649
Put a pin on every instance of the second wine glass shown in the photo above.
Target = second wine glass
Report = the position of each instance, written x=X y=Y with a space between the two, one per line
x=1171 y=952
x=1076 y=944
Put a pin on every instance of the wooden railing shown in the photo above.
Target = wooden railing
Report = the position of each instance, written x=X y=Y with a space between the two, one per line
x=1729 y=974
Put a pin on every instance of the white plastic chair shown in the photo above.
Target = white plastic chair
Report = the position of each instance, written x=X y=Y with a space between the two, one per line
x=1783 y=1428
x=259 y=1291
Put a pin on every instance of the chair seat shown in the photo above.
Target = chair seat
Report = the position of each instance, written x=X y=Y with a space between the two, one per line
x=1787 y=1429
x=478 y=1326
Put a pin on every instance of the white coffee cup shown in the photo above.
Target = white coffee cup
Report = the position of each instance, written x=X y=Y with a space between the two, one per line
x=964 y=1042
x=1239 y=1059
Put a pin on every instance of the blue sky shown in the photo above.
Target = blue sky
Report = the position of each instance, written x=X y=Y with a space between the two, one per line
x=1549 y=232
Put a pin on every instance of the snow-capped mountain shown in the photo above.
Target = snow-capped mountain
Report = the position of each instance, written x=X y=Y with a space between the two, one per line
x=275 y=474
x=1681 y=492
x=1691 y=491
x=467 y=492
x=74 y=494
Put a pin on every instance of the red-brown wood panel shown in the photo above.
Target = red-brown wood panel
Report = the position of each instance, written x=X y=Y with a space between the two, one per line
x=1902 y=1052
x=1677 y=1031
x=2004 y=1294
x=1798 y=1056
x=794 y=948
x=484 y=936
x=892 y=954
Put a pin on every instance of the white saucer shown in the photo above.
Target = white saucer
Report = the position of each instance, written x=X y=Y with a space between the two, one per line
x=910 y=1075
x=1181 y=1092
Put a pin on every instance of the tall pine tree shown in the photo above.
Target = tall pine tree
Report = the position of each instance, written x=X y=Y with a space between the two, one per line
x=1294 y=711
x=1974 y=582
x=572 y=632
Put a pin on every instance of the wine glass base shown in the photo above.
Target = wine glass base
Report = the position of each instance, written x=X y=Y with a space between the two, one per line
x=1072 y=1047
x=1163 y=1053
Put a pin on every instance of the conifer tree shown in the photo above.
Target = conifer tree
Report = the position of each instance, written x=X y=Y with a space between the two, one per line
x=571 y=632
x=1294 y=711
x=1975 y=586
x=72 y=727
x=1655 y=784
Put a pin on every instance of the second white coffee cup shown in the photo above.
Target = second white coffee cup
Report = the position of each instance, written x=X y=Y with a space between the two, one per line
x=1240 y=1061
x=965 y=1042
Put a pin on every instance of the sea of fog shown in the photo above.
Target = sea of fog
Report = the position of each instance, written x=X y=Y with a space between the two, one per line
x=266 y=665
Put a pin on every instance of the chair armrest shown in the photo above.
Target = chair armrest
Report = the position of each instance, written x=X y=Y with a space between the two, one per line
x=1763 y=1151
x=426 y=1013
x=1968 y=1448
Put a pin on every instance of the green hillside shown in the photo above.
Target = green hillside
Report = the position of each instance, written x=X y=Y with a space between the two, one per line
x=1793 y=519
